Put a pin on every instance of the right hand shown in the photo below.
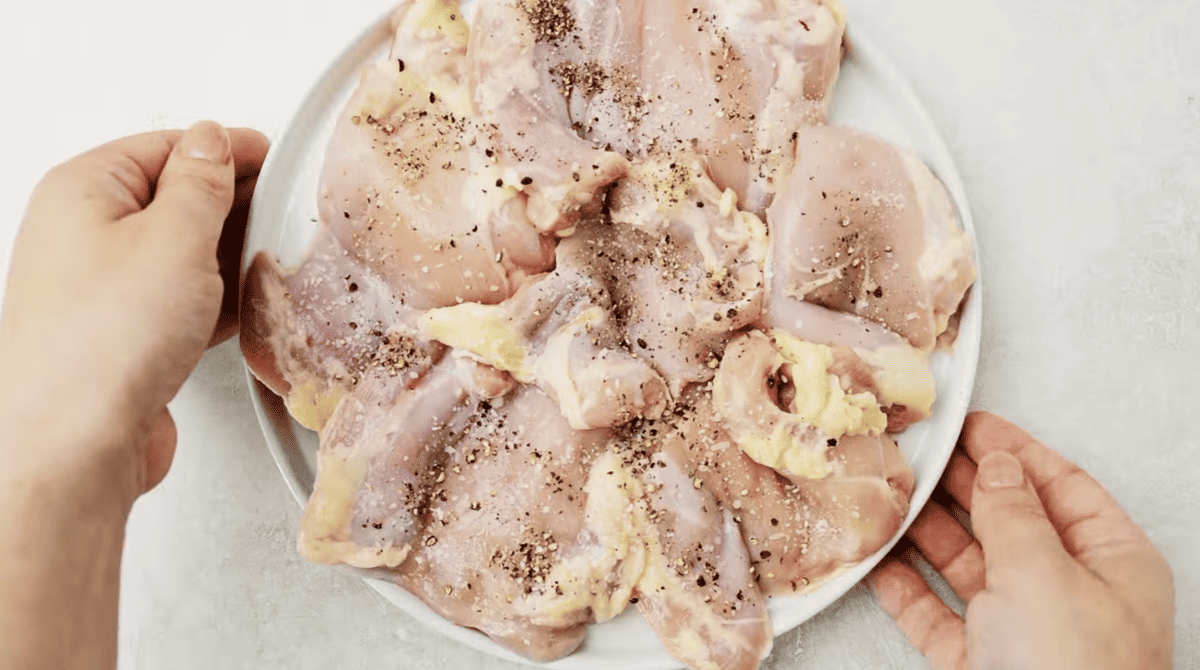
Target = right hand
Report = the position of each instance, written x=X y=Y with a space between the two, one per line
x=1057 y=575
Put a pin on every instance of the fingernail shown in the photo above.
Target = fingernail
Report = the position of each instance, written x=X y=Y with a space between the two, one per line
x=887 y=590
x=206 y=141
x=999 y=470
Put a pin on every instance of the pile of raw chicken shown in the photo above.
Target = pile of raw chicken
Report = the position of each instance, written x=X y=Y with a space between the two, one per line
x=601 y=312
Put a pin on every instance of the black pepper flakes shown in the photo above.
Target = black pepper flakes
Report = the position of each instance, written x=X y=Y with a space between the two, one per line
x=551 y=20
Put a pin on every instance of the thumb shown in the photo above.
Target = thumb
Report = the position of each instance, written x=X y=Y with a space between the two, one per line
x=1010 y=522
x=195 y=192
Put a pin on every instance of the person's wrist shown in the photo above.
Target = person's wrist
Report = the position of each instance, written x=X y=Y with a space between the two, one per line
x=57 y=432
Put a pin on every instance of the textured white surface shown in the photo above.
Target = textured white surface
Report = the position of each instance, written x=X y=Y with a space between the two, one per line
x=1076 y=126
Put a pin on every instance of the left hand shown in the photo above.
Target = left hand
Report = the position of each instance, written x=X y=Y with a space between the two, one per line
x=125 y=269
x=1056 y=576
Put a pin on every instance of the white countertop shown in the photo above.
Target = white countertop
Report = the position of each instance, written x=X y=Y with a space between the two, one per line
x=1075 y=125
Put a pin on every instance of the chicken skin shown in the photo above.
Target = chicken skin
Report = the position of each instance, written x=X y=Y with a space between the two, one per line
x=512 y=544
x=733 y=80
x=865 y=228
x=798 y=530
x=424 y=185
x=311 y=335
x=376 y=458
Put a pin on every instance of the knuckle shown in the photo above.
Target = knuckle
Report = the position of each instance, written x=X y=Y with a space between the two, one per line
x=117 y=179
x=1024 y=506
x=208 y=182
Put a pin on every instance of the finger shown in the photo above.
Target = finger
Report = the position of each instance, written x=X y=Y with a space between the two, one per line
x=106 y=183
x=1017 y=537
x=959 y=479
x=229 y=259
x=195 y=191
x=249 y=151
x=930 y=626
x=950 y=549
x=161 y=437
x=1087 y=517
x=118 y=178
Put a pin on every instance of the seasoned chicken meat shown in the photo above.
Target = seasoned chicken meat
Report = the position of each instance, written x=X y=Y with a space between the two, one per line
x=684 y=265
x=600 y=312
x=867 y=355
x=734 y=80
x=311 y=335
x=799 y=531
x=377 y=454
x=515 y=95
x=512 y=544
x=864 y=227
x=425 y=184
x=558 y=332
x=699 y=591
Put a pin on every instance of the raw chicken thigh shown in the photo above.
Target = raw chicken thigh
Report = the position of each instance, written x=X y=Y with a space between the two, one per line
x=869 y=356
x=378 y=453
x=557 y=332
x=864 y=227
x=651 y=294
x=684 y=264
x=798 y=530
x=601 y=313
x=518 y=101
x=312 y=334
x=430 y=192
x=731 y=79
x=510 y=547
x=699 y=591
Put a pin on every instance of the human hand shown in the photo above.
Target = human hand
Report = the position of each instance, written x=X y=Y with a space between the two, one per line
x=116 y=288
x=1057 y=576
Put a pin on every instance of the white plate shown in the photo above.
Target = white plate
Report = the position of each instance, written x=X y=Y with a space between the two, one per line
x=870 y=95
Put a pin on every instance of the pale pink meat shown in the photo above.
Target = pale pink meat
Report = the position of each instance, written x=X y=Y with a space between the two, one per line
x=684 y=265
x=733 y=80
x=517 y=99
x=871 y=357
x=505 y=512
x=701 y=587
x=380 y=452
x=425 y=184
x=798 y=532
x=864 y=227
x=558 y=332
x=310 y=335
